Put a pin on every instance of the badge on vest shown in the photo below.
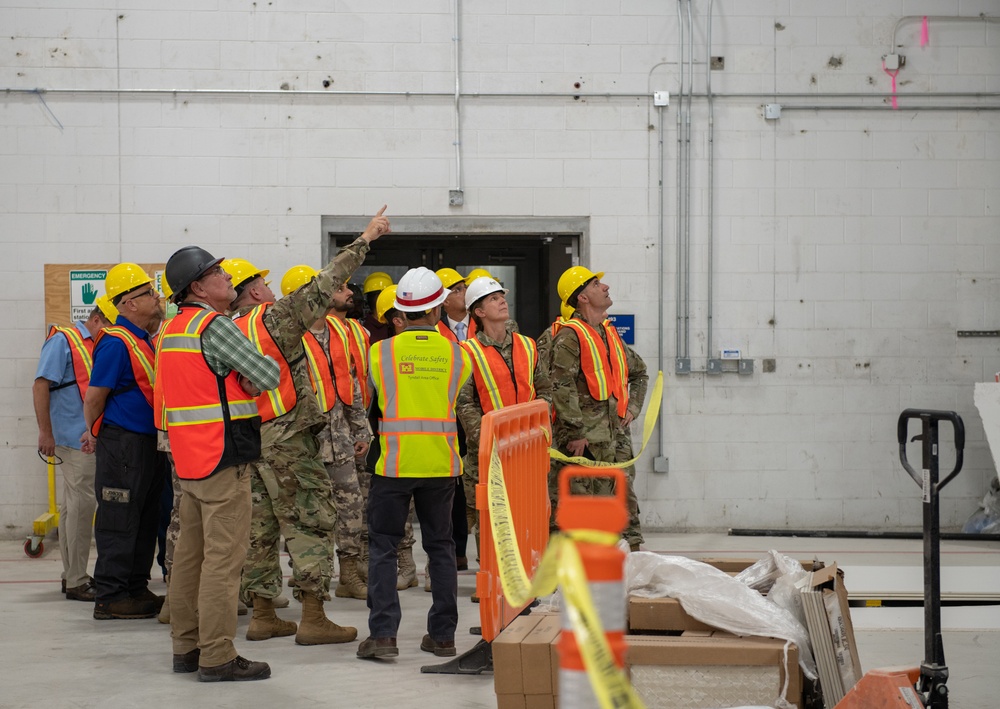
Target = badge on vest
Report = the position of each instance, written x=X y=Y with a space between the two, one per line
x=406 y=368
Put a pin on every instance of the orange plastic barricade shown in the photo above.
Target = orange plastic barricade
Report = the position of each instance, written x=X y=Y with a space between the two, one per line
x=604 y=569
x=522 y=433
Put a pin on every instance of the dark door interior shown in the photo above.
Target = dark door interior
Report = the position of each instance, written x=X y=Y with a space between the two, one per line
x=527 y=265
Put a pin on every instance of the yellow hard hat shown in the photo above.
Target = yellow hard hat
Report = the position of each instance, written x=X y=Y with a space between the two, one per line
x=109 y=311
x=478 y=273
x=572 y=279
x=384 y=303
x=168 y=292
x=242 y=271
x=449 y=276
x=123 y=278
x=296 y=277
x=376 y=281
x=566 y=310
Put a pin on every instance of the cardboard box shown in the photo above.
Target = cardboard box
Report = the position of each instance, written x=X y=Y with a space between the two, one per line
x=536 y=657
x=540 y=701
x=831 y=632
x=511 y=701
x=507 y=666
x=694 y=671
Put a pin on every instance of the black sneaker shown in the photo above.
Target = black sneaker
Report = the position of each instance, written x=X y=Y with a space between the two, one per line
x=188 y=662
x=239 y=669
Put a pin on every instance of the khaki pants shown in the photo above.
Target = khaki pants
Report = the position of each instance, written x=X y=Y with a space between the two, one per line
x=76 y=513
x=208 y=557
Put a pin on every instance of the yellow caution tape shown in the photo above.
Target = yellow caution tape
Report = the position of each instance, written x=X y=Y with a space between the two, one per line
x=560 y=566
x=652 y=413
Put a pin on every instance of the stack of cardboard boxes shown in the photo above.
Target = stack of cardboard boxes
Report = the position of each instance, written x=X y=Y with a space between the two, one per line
x=526 y=663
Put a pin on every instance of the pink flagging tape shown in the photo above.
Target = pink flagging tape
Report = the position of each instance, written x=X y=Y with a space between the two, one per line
x=892 y=75
x=925 y=35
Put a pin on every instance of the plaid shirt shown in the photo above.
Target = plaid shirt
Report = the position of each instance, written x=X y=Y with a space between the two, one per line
x=226 y=348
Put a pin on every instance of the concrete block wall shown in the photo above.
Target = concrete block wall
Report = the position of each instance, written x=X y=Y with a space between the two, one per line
x=850 y=245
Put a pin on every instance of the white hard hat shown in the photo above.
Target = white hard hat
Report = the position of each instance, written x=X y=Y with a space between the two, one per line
x=419 y=289
x=480 y=288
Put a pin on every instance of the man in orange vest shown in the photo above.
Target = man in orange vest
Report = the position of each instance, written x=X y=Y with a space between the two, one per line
x=505 y=371
x=598 y=386
x=417 y=374
x=128 y=482
x=61 y=382
x=291 y=491
x=207 y=376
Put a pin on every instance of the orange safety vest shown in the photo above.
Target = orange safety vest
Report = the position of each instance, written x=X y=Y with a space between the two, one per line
x=606 y=372
x=329 y=371
x=359 y=342
x=418 y=376
x=449 y=333
x=274 y=402
x=140 y=356
x=206 y=433
x=497 y=384
x=81 y=350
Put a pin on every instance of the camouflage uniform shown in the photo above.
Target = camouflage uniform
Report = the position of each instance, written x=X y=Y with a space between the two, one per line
x=579 y=415
x=290 y=490
x=469 y=410
x=346 y=425
x=174 y=528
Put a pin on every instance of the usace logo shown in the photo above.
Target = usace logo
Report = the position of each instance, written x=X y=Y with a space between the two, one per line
x=406 y=368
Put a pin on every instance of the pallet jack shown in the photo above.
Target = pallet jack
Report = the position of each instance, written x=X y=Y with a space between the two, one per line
x=34 y=545
x=923 y=687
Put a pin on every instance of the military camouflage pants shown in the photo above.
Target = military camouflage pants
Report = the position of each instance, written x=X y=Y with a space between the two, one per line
x=174 y=528
x=348 y=503
x=365 y=482
x=470 y=477
x=292 y=498
x=609 y=452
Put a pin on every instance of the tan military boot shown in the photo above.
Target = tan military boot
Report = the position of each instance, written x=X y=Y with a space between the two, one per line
x=316 y=629
x=164 y=616
x=407 y=570
x=351 y=585
x=363 y=561
x=265 y=623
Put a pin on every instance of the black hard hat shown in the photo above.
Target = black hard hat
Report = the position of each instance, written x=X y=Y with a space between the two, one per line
x=187 y=265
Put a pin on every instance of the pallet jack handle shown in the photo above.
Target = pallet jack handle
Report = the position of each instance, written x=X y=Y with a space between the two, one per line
x=932 y=686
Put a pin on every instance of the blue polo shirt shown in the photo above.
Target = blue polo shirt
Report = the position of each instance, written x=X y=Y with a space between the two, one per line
x=126 y=406
x=65 y=405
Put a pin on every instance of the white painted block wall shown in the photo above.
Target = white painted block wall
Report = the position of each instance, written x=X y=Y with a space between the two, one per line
x=850 y=246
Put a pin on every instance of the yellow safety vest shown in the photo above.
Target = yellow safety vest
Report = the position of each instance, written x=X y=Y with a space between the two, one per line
x=418 y=374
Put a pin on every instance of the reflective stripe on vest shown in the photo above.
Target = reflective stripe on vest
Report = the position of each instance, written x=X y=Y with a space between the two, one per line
x=188 y=397
x=274 y=402
x=81 y=351
x=496 y=384
x=418 y=375
x=359 y=341
x=140 y=356
x=606 y=375
x=329 y=369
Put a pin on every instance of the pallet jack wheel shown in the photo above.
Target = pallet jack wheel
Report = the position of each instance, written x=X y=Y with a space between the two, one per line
x=32 y=551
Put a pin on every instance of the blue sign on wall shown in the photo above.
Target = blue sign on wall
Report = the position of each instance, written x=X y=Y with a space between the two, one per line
x=625 y=324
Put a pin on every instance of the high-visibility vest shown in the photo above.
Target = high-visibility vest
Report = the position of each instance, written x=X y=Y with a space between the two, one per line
x=359 y=342
x=418 y=375
x=206 y=432
x=274 y=402
x=497 y=383
x=329 y=370
x=450 y=334
x=81 y=351
x=141 y=358
x=605 y=367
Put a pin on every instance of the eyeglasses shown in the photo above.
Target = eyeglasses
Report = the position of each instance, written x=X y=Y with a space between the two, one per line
x=151 y=292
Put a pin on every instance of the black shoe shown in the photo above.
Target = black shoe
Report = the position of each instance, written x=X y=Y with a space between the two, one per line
x=63 y=584
x=188 y=662
x=445 y=648
x=124 y=609
x=236 y=670
x=377 y=647
x=86 y=592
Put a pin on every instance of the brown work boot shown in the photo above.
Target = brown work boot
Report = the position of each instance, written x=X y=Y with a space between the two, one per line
x=187 y=662
x=350 y=585
x=124 y=609
x=377 y=647
x=265 y=624
x=316 y=629
x=406 y=571
x=445 y=648
x=147 y=595
x=239 y=669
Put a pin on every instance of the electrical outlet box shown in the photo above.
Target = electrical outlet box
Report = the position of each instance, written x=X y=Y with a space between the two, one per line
x=661 y=464
x=893 y=61
x=456 y=198
x=682 y=365
x=772 y=111
x=661 y=98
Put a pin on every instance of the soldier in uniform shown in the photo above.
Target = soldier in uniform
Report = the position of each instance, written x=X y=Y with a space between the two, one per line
x=503 y=374
x=544 y=341
x=347 y=434
x=597 y=389
x=291 y=491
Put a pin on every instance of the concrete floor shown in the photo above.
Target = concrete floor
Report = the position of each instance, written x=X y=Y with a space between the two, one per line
x=53 y=652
